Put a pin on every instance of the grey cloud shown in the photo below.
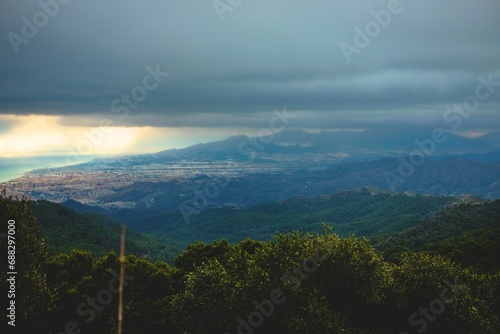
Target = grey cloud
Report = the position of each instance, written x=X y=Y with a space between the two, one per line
x=263 y=56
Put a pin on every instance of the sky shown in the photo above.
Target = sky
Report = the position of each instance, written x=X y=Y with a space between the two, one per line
x=130 y=76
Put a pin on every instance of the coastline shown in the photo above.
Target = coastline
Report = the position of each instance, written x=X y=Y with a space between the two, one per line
x=15 y=167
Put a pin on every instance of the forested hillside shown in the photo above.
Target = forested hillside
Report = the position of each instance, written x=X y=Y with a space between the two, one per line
x=294 y=283
x=366 y=212
x=363 y=212
x=467 y=233
x=65 y=230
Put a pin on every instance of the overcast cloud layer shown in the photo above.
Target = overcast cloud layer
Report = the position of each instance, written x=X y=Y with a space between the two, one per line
x=263 y=55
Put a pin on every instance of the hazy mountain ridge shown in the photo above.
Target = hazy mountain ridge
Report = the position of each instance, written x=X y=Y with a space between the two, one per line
x=381 y=143
x=283 y=165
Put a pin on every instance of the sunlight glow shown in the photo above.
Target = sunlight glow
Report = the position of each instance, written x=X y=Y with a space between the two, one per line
x=37 y=135
x=42 y=135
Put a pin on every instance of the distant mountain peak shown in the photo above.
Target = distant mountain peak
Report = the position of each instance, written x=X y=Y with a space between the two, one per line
x=347 y=144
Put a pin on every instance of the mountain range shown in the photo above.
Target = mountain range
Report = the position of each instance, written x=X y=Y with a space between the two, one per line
x=173 y=186
x=350 y=145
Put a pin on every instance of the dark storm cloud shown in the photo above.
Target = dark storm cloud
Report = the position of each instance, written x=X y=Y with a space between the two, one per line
x=262 y=56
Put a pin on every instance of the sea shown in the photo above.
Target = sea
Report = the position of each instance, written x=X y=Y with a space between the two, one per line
x=12 y=168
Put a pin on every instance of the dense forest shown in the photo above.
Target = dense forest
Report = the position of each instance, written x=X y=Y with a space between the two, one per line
x=366 y=212
x=293 y=283
x=64 y=229
x=469 y=234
